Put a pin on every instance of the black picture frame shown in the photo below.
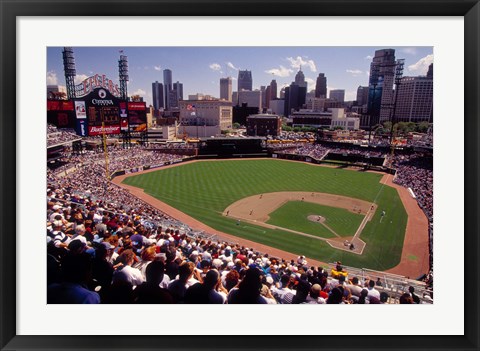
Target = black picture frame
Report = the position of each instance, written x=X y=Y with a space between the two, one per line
x=469 y=9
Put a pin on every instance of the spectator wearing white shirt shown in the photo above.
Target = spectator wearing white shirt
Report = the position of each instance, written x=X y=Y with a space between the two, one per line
x=127 y=273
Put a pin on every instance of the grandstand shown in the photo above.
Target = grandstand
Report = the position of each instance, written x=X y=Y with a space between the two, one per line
x=90 y=218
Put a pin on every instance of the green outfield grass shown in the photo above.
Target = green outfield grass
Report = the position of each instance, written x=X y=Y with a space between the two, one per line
x=294 y=215
x=204 y=189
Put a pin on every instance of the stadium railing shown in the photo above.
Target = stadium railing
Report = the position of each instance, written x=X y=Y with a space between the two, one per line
x=393 y=284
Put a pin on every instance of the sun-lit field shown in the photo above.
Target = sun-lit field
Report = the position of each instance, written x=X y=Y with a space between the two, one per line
x=204 y=189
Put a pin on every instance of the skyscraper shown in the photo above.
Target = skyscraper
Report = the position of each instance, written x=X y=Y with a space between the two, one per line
x=178 y=87
x=245 y=81
x=273 y=89
x=362 y=95
x=226 y=88
x=267 y=97
x=157 y=95
x=380 y=95
x=430 y=71
x=300 y=79
x=167 y=86
x=338 y=95
x=321 y=86
x=177 y=94
x=251 y=98
x=263 y=90
x=414 y=100
x=294 y=98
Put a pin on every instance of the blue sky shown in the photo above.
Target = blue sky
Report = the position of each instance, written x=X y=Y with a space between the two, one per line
x=200 y=68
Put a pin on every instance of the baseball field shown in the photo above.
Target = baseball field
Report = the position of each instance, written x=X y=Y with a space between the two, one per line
x=292 y=206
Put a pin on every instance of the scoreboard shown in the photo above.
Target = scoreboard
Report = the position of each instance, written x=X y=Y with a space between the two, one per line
x=108 y=115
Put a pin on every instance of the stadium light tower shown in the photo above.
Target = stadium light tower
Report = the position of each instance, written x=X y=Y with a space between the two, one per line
x=398 y=79
x=70 y=71
x=123 y=75
x=123 y=78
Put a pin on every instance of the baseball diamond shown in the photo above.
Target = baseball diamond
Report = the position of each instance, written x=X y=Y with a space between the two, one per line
x=206 y=190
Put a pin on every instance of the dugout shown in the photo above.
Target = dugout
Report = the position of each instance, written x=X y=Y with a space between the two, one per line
x=232 y=147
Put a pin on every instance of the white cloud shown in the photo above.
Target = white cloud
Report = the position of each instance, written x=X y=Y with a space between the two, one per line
x=368 y=57
x=354 y=72
x=80 y=78
x=409 y=51
x=421 y=66
x=140 y=92
x=52 y=78
x=280 y=72
x=299 y=61
x=311 y=83
x=215 y=67
x=157 y=68
x=232 y=66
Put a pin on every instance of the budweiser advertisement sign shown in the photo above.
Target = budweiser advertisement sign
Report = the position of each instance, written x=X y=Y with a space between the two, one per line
x=99 y=130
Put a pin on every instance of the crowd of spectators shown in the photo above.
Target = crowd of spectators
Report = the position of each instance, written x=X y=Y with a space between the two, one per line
x=106 y=246
x=319 y=151
x=415 y=171
x=316 y=151
x=360 y=152
x=119 y=158
x=88 y=183
x=59 y=136
x=426 y=140
x=294 y=136
x=96 y=256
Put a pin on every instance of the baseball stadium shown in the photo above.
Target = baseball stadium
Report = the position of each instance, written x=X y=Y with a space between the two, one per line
x=298 y=217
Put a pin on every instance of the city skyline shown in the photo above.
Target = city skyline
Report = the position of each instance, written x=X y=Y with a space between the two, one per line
x=199 y=69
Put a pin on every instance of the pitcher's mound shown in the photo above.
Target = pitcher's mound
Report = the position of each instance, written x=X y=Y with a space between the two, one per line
x=315 y=218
